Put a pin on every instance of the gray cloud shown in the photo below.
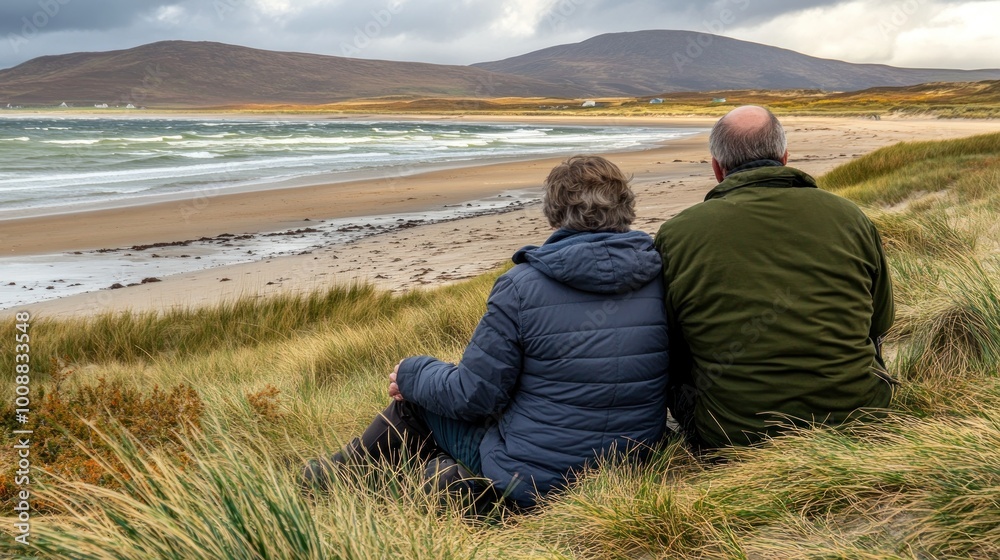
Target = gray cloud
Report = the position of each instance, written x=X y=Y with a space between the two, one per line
x=435 y=20
x=48 y=16
x=669 y=14
x=440 y=31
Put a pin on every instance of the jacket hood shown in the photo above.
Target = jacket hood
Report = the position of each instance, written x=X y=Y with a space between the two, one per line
x=598 y=262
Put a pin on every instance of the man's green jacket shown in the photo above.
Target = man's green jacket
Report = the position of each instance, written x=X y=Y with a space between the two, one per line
x=777 y=295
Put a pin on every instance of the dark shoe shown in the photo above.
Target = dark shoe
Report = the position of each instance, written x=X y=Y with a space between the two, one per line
x=445 y=474
x=449 y=477
x=317 y=475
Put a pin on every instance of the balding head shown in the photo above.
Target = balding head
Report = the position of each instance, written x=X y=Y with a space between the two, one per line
x=746 y=134
x=748 y=117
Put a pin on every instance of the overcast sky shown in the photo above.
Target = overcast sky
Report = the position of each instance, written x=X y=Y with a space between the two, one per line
x=916 y=33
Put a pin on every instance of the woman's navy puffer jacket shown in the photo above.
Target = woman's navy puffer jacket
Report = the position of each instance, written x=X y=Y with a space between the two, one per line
x=569 y=361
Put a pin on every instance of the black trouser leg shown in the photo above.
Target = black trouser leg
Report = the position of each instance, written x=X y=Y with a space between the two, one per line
x=681 y=402
x=397 y=432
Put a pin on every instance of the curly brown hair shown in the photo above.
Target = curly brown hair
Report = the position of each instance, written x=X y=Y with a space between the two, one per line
x=588 y=193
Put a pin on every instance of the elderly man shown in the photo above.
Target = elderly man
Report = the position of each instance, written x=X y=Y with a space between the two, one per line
x=777 y=296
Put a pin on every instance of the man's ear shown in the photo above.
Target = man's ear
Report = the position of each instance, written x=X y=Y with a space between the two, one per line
x=720 y=173
x=784 y=159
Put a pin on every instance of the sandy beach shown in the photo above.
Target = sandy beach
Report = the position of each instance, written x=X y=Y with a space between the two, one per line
x=667 y=179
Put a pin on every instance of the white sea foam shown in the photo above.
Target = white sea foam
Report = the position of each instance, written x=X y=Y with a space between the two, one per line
x=199 y=155
x=86 y=142
x=96 y=159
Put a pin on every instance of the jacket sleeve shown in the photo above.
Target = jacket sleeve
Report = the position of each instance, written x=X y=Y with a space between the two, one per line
x=681 y=363
x=680 y=367
x=480 y=385
x=884 y=308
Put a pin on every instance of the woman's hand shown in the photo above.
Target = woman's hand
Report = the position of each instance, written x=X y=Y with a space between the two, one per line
x=393 y=388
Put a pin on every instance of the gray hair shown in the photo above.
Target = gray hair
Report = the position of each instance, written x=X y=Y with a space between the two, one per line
x=733 y=146
x=588 y=193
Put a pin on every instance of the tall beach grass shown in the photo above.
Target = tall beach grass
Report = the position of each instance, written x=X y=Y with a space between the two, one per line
x=283 y=379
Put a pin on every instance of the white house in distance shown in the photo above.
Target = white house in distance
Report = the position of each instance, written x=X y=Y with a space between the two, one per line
x=130 y=106
x=589 y=103
x=100 y=105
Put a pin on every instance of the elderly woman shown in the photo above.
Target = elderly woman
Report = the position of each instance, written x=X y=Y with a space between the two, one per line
x=568 y=364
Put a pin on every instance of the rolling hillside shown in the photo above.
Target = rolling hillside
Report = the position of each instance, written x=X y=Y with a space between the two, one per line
x=653 y=62
x=643 y=63
x=205 y=74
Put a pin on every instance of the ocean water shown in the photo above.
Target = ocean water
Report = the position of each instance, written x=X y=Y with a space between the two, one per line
x=50 y=165
x=58 y=164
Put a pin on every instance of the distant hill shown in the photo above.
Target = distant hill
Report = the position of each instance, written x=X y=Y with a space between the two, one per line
x=653 y=62
x=643 y=63
x=209 y=74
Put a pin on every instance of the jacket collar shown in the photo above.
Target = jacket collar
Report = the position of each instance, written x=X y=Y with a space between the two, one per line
x=763 y=173
x=755 y=165
x=562 y=235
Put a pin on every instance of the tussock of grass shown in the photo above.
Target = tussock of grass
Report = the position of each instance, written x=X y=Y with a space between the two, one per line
x=143 y=337
x=928 y=234
x=226 y=503
x=861 y=492
x=232 y=500
x=956 y=334
x=288 y=378
x=931 y=482
x=894 y=173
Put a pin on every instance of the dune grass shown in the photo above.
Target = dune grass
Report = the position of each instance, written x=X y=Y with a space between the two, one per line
x=974 y=100
x=894 y=173
x=279 y=380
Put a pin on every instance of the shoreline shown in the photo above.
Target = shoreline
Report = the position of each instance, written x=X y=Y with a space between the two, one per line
x=82 y=272
x=330 y=179
x=367 y=117
x=667 y=179
x=208 y=212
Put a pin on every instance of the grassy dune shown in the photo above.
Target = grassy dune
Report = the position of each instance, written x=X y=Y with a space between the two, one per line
x=285 y=378
x=974 y=100
x=943 y=100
